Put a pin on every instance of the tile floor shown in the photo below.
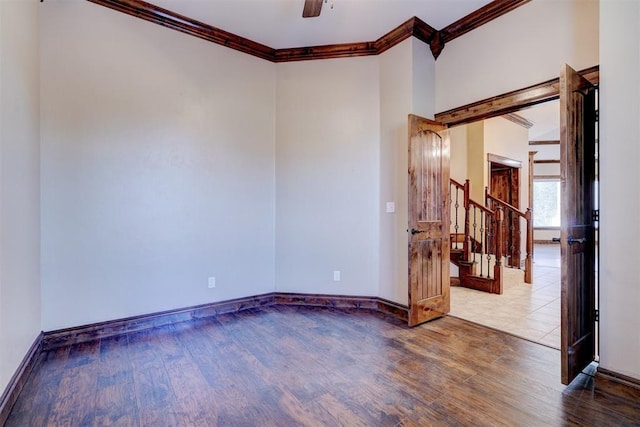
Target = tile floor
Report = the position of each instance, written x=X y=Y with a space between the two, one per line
x=530 y=311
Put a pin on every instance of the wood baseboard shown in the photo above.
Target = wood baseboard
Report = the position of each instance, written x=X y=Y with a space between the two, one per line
x=618 y=385
x=19 y=379
x=340 y=301
x=79 y=334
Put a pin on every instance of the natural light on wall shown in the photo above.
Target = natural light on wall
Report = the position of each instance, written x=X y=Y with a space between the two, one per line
x=546 y=200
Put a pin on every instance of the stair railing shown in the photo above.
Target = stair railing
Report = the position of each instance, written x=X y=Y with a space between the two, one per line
x=460 y=194
x=511 y=234
x=485 y=238
x=483 y=230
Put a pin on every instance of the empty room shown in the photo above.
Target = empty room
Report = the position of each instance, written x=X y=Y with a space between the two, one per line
x=243 y=212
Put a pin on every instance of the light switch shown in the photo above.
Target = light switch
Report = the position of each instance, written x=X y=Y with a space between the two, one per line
x=391 y=207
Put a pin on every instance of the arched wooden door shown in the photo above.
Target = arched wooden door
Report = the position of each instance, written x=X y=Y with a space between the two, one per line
x=429 y=215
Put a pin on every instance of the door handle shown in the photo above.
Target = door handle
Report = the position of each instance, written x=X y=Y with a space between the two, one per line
x=555 y=239
x=414 y=231
x=571 y=240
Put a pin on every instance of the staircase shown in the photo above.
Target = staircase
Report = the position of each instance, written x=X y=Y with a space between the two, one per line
x=479 y=236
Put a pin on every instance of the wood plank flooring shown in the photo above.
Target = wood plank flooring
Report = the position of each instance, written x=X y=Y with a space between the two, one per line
x=293 y=366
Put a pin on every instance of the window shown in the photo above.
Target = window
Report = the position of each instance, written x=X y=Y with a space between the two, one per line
x=546 y=203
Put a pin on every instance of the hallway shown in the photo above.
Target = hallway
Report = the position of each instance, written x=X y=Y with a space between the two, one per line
x=528 y=311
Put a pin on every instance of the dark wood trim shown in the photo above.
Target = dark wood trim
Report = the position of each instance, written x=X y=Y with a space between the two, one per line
x=340 y=301
x=166 y=18
x=555 y=142
x=423 y=31
x=545 y=242
x=475 y=19
x=618 y=385
x=79 y=334
x=511 y=101
x=530 y=179
x=62 y=337
x=396 y=36
x=413 y=27
x=519 y=120
x=331 y=51
x=495 y=158
x=19 y=379
x=547 y=177
x=547 y=162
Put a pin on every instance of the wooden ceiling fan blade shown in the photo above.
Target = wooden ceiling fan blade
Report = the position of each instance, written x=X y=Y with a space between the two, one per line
x=312 y=8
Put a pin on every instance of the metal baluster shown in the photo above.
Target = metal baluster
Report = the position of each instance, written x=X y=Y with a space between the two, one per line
x=457 y=205
x=473 y=243
x=490 y=225
x=483 y=242
x=511 y=239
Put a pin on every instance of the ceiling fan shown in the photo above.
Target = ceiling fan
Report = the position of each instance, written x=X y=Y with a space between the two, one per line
x=312 y=8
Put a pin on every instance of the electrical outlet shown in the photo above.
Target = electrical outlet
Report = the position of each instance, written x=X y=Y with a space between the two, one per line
x=212 y=282
x=336 y=275
x=391 y=207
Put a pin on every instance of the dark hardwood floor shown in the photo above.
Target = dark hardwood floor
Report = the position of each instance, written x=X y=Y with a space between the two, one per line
x=286 y=365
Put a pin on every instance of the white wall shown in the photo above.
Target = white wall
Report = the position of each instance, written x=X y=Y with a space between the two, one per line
x=407 y=75
x=396 y=84
x=19 y=183
x=476 y=160
x=157 y=168
x=619 y=158
x=327 y=174
x=458 y=136
x=524 y=47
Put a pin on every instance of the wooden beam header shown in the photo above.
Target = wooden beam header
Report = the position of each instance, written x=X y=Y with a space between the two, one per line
x=510 y=102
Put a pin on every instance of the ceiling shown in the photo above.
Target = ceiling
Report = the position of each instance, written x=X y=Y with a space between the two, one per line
x=546 y=121
x=279 y=23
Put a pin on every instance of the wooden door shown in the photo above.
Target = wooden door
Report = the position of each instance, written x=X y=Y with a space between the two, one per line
x=428 y=220
x=577 y=231
x=504 y=184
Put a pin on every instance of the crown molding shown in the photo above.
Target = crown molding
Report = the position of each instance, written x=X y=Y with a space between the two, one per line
x=414 y=27
x=166 y=18
x=476 y=19
x=519 y=120
x=549 y=142
x=330 y=51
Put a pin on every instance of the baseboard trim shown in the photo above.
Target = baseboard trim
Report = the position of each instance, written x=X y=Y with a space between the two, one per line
x=618 y=385
x=342 y=301
x=94 y=331
x=79 y=334
x=19 y=379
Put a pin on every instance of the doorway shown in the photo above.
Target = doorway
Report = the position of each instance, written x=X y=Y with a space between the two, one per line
x=577 y=92
x=504 y=184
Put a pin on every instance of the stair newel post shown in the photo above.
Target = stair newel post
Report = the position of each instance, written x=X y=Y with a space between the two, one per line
x=486 y=198
x=498 y=267
x=528 y=263
x=466 y=244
